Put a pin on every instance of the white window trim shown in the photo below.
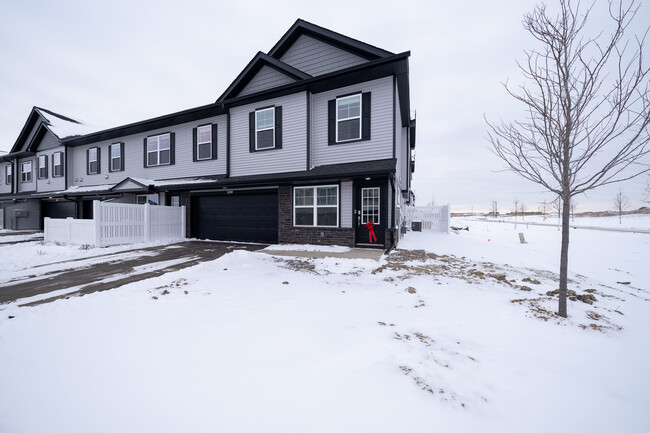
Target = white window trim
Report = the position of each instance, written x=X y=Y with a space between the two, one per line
x=198 y=142
x=9 y=172
x=112 y=146
x=158 y=150
x=378 y=205
x=27 y=173
x=42 y=166
x=336 y=107
x=54 y=165
x=315 y=205
x=93 y=160
x=272 y=109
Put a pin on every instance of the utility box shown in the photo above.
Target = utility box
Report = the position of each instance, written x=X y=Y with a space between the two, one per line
x=416 y=226
x=21 y=213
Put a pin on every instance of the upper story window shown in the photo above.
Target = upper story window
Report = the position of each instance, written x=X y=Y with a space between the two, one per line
x=316 y=206
x=26 y=171
x=57 y=164
x=116 y=157
x=348 y=118
x=158 y=150
x=204 y=142
x=93 y=156
x=42 y=167
x=9 y=174
x=265 y=127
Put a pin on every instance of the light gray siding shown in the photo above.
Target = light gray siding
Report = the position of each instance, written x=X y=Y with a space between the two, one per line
x=346 y=204
x=134 y=154
x=293 y=154
x=4 y=188
x=31 y=222
x=266 y=78
x=26 y=186
x=399 y=154
x=317 y=58
x=380 y=145
x=51 y=183
x=48 y=141
x=37 y=124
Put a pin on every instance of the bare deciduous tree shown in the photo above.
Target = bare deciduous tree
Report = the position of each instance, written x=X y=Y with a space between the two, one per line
x=574 y=206
x=621 y=203
x=543 y=207
x=522 y=208
x=515 y=208
x=587 y=109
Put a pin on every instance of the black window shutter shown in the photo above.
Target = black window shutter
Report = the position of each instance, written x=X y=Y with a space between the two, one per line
x=194 y=141
x=331 y=122
x=110 y=158
x=122 y=156
x=214 y=141
x=99 y=160
x=53 y=174
x=87 y=161
x=278 y=127
x=251 y=131
x=46 y=168
x=144 y=146
x=62 y=163
x=365 y=116
x=172 y=148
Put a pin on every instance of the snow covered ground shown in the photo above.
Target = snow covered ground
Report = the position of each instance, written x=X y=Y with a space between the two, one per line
x=449 y=333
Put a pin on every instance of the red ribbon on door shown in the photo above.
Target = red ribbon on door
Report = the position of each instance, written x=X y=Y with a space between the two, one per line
x=371 y=232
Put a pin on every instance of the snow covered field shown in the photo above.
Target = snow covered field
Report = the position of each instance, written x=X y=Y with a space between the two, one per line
x=449 y=333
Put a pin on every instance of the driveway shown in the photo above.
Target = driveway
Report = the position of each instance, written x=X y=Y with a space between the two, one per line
x=98 y=273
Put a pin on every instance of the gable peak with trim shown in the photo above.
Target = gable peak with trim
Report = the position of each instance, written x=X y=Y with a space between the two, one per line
x=304 y=51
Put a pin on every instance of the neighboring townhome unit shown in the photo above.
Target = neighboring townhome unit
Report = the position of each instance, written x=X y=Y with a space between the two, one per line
x=311 y=143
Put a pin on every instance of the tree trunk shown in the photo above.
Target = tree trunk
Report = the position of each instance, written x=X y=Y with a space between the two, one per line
x=564 y=258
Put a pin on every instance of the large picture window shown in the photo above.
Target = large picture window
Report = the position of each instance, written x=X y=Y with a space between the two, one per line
x=42 y=167
x=348 y=118
x=316 y=206
x=265 y=129
x=26 y=171
x=159 y=150
x=57 y=164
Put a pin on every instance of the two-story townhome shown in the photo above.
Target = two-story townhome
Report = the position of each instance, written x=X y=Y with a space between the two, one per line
x=311 y=143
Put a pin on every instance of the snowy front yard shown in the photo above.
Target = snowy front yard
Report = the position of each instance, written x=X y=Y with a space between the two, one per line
x=449 y=333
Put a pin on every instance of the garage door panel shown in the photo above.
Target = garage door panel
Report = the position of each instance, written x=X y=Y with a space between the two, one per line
x=251 y=217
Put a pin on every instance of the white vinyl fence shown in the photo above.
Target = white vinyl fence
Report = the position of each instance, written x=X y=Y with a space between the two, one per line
x=434 y=218
x=118 y=223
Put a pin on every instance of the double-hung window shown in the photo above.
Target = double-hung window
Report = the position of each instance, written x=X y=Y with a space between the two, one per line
x=42 y=167
x=26 y=171
x=265 y=129
x=9 y=174
x=93 y=160
x=116 y=159
x=204 y=142
x=57 y=164
x=316 y=206
x=159 y=150
x=348 y=118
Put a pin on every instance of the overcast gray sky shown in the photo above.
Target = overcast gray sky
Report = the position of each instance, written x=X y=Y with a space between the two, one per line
x=117 y=62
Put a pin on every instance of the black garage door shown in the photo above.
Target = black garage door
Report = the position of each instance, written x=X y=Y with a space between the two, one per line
x=59 y=209
x=240 y=216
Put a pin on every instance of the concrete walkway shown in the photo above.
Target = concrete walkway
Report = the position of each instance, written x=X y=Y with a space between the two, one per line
x=354 y=253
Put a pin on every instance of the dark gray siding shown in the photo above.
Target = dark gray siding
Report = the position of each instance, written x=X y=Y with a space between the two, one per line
x=293 y=154
x=266 y=78
x=32 y=222
x=380 y=145
x=133 y=157
x=4 y=188
x=317 y=58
